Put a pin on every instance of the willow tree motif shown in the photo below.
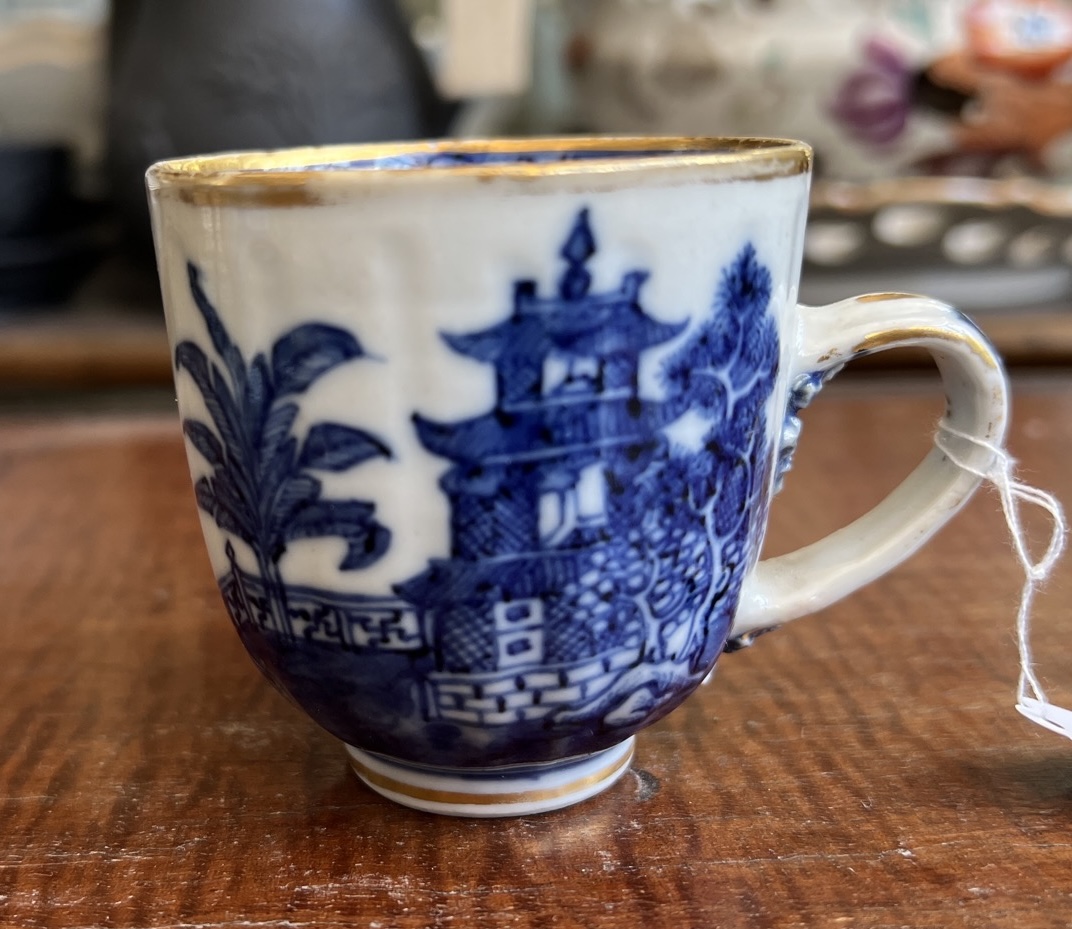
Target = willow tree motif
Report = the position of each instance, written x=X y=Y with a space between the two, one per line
x=725 y=373
x=686 y=508
x=262 y=487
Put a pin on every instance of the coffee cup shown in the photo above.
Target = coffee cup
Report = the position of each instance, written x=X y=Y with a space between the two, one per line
x=484 y=434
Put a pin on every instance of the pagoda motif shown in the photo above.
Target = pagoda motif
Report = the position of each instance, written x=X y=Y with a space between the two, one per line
x=599 y=533
x=533 y=485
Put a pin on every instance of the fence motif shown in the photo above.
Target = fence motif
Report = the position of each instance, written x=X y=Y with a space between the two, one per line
x=361 y=624
x=353 y=623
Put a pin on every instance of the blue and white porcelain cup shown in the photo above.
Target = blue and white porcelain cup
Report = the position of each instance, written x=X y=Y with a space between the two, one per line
x=484 y=435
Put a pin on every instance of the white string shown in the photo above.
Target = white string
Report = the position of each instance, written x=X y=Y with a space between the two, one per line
x=1001 y=472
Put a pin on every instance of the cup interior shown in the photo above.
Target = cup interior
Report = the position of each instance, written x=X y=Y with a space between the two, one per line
x=452 y=157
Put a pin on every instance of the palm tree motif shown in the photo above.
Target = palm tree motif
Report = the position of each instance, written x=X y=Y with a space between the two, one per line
x=262 y=487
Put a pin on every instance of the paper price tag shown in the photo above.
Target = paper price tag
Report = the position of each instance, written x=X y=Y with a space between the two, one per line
x=1055 y=718
x=488 y=48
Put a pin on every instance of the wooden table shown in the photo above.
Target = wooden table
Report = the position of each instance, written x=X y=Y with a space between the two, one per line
x=862 y=768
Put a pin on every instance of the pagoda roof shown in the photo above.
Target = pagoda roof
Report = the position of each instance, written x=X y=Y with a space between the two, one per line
x=550 y=431
x=593 y=325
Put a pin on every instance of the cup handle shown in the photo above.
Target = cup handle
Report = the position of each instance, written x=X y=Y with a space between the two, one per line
x=811 y=578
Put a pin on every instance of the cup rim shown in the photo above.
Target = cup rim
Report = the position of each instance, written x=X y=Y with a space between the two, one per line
x=288 y=175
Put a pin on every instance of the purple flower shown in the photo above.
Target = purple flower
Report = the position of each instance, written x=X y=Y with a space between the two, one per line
x=874 y=101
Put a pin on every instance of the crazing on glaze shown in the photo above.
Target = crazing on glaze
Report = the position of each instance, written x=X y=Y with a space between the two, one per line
x=599 y=537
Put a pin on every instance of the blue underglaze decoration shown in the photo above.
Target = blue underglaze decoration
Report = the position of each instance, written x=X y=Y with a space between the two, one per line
x=801 y=394
x=448 y=159
x=262 y=487
x=599 y=534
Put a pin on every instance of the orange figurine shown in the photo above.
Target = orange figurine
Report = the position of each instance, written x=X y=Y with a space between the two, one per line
x=1013 y=77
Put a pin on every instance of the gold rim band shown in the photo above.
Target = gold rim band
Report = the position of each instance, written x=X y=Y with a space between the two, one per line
x=457 y=797
x=303 y=176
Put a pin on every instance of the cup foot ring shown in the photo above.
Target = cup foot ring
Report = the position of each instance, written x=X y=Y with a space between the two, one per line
x=518 y=790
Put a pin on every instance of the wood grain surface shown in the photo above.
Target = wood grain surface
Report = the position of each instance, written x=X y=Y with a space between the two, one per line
x=861 y=768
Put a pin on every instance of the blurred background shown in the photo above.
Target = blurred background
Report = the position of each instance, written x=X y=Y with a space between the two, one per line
x=942 y=129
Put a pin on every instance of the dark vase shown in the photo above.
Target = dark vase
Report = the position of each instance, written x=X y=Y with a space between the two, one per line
x=197 y=76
